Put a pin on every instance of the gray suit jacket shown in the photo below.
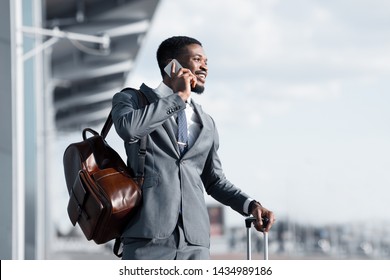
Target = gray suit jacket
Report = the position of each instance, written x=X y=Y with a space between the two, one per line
x=172 y=184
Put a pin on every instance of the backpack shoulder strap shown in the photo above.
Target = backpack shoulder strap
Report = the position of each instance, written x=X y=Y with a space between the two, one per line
x=142 y=145
x=108 y=123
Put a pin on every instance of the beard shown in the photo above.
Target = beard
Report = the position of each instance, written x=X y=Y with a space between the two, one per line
x=198 y=89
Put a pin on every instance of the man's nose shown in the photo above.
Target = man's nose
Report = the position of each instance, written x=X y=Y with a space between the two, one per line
x=204 y=66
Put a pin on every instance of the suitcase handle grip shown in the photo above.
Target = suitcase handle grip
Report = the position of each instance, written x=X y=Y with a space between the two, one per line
x=250 y=220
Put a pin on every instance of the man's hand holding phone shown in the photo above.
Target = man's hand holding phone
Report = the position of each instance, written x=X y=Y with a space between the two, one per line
x=182 y=79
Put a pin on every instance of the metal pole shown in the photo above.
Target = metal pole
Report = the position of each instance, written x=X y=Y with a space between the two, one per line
x=18 y=160
x=40 y=203
x=248 y=225
x=265 y=245
x=249 y=245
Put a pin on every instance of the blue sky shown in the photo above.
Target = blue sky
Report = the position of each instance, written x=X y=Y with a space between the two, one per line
x=300 y=93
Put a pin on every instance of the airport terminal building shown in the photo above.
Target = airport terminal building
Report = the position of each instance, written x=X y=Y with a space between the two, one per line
x=62 y=61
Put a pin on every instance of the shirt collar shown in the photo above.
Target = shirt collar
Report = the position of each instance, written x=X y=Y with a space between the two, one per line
x=164 y=91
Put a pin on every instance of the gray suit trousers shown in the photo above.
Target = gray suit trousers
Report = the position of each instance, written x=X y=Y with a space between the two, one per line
x=175 y=247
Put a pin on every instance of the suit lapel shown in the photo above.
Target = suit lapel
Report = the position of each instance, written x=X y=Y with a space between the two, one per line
x=171 y=127
x=204 y=129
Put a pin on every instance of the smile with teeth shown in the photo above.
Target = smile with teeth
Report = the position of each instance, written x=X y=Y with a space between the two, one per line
x=201 y=76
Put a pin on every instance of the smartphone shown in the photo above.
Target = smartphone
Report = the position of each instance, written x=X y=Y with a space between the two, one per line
x=168 y=68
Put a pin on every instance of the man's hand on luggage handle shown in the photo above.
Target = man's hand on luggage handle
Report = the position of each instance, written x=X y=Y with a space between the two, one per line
x=264 y=218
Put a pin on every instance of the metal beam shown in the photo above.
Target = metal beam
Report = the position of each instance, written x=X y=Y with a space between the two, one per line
x=104 y=40
x=18 y=128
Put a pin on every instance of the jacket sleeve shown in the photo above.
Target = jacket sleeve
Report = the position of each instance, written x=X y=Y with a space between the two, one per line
x=132 y=122
x=217 y=185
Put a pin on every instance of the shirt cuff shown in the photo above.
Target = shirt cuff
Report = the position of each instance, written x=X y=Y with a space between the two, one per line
x=246 y=206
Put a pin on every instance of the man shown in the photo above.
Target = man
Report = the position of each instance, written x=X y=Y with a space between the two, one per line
x=172 y=222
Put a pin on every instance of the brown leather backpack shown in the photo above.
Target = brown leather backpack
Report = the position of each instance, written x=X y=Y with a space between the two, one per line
x=103 y=193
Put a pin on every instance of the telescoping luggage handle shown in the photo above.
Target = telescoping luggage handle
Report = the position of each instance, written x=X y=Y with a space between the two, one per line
x=248 y=224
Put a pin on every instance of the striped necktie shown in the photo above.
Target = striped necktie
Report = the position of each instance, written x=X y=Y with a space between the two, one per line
x=182 y=132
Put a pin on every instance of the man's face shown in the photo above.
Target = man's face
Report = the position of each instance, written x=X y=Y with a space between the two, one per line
x=195 y=60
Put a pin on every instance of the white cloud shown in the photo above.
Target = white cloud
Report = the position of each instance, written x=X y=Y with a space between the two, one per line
x=310 y=92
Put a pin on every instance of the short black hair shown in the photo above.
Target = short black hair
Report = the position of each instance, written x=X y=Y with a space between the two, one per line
x=171 y=48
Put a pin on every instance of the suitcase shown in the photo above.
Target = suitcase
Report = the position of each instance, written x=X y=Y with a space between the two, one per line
x=248 y=224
